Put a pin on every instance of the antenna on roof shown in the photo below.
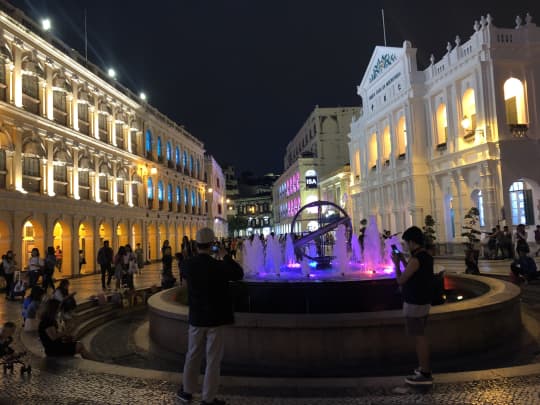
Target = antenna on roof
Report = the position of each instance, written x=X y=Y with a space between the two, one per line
x=383 y=26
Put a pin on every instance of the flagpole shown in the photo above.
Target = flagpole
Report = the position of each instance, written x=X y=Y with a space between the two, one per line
x=85 y=39
x=383 y=26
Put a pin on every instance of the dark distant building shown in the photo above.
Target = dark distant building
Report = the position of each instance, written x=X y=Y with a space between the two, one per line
x=250 y=210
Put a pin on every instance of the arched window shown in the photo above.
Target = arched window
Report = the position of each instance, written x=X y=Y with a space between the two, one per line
x=169 y=152
x=387 y=146
x=177 y=156
x=442 y=125
x=191 y=164
x=178 y=198
x=198 y=168
x=468 y=106
x=373 y=151
x=150 y=188
x=193 y=198
x=160 y=191
x=184 y=160
x=514 y=100
x=148 y=144
x=521 y=204
x=401 y=137
x=186 y=196
x=170 y=196
x=159 y=149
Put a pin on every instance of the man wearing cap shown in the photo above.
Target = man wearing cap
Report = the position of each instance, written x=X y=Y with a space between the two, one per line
x=210 y=309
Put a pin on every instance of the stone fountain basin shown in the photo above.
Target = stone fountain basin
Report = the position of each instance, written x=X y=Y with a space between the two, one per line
x=327 y=344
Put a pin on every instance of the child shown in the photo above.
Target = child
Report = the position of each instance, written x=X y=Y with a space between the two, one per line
x=6 y=338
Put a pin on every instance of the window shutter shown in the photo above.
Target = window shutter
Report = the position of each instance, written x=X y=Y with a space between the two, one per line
x=528 y=206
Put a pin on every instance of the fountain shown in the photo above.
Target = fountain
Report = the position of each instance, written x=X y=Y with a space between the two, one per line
x=323 y=311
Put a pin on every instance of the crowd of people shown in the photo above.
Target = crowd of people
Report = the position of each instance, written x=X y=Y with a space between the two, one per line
x=206 y=265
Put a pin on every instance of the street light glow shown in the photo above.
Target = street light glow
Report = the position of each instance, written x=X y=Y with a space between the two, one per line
x=111 y=72
x=46 y=24
x=142 y=96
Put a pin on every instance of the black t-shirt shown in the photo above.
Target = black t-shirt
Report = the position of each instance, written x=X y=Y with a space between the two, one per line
x=46 y=341
x=419 y=288
x=208 y=289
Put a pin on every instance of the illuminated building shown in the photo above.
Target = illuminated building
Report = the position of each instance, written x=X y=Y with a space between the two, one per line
x=316 y=151
x=215 y=197
x=462 y=133
x=83 y=159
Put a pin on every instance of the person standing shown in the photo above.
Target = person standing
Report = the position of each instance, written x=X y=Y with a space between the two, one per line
x=417 y=284
x=35 y=267
x=48 y=270
x=58 y=255
x=507 y=243
x=537 y=239
x=10 y=266
x=104 y=259
x=139 y=254
x=521 y=239
x=210 y=309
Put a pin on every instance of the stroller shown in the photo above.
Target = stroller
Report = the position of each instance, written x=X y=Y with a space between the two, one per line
x=9 y=360
x=20 y=284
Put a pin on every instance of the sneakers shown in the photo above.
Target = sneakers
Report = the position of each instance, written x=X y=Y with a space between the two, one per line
x=214 y=402
x=419 y=378
x=184 y=396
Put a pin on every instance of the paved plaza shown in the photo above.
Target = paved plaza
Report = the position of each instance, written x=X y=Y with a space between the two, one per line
x=69 y=382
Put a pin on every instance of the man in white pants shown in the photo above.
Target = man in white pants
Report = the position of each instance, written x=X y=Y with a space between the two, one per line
x=210 y=309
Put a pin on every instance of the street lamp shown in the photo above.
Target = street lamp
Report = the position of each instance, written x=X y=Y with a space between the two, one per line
x=46 y=24
x=142 y=96
x=112 y=73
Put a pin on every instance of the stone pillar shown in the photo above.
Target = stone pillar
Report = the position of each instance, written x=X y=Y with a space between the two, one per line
x=111 y=129
x=69 y=110
x=17 y=158
x=16 y=76
x=95 y=122
x=75 y=246
x=48 y=98
x=491 y=209
x=75 y=175
x=44 y=176
x=92 y=176
x=113 y=196
x=75 y=107
x=49 y=177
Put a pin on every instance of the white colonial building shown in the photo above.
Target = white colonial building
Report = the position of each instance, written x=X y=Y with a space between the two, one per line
x=462 y=133
x=216 y=198
x=83 y=159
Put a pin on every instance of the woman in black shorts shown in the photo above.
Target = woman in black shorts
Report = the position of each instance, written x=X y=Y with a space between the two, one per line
x=55 y=342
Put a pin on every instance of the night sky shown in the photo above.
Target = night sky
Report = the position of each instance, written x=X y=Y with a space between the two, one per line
x=243 y=75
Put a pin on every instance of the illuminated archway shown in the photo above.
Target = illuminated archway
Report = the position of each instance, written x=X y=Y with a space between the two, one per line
x=373 y=151
x=122 y=234
x=401 y=135
x=173 y=237
x=162 y=237
x=86 y=248
x=442 y=125
x=514 y=101
x=386 y=145
x=152 y=249
x=32 y=237
x=136 y=234
x=62 y=240
x=105 y=233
